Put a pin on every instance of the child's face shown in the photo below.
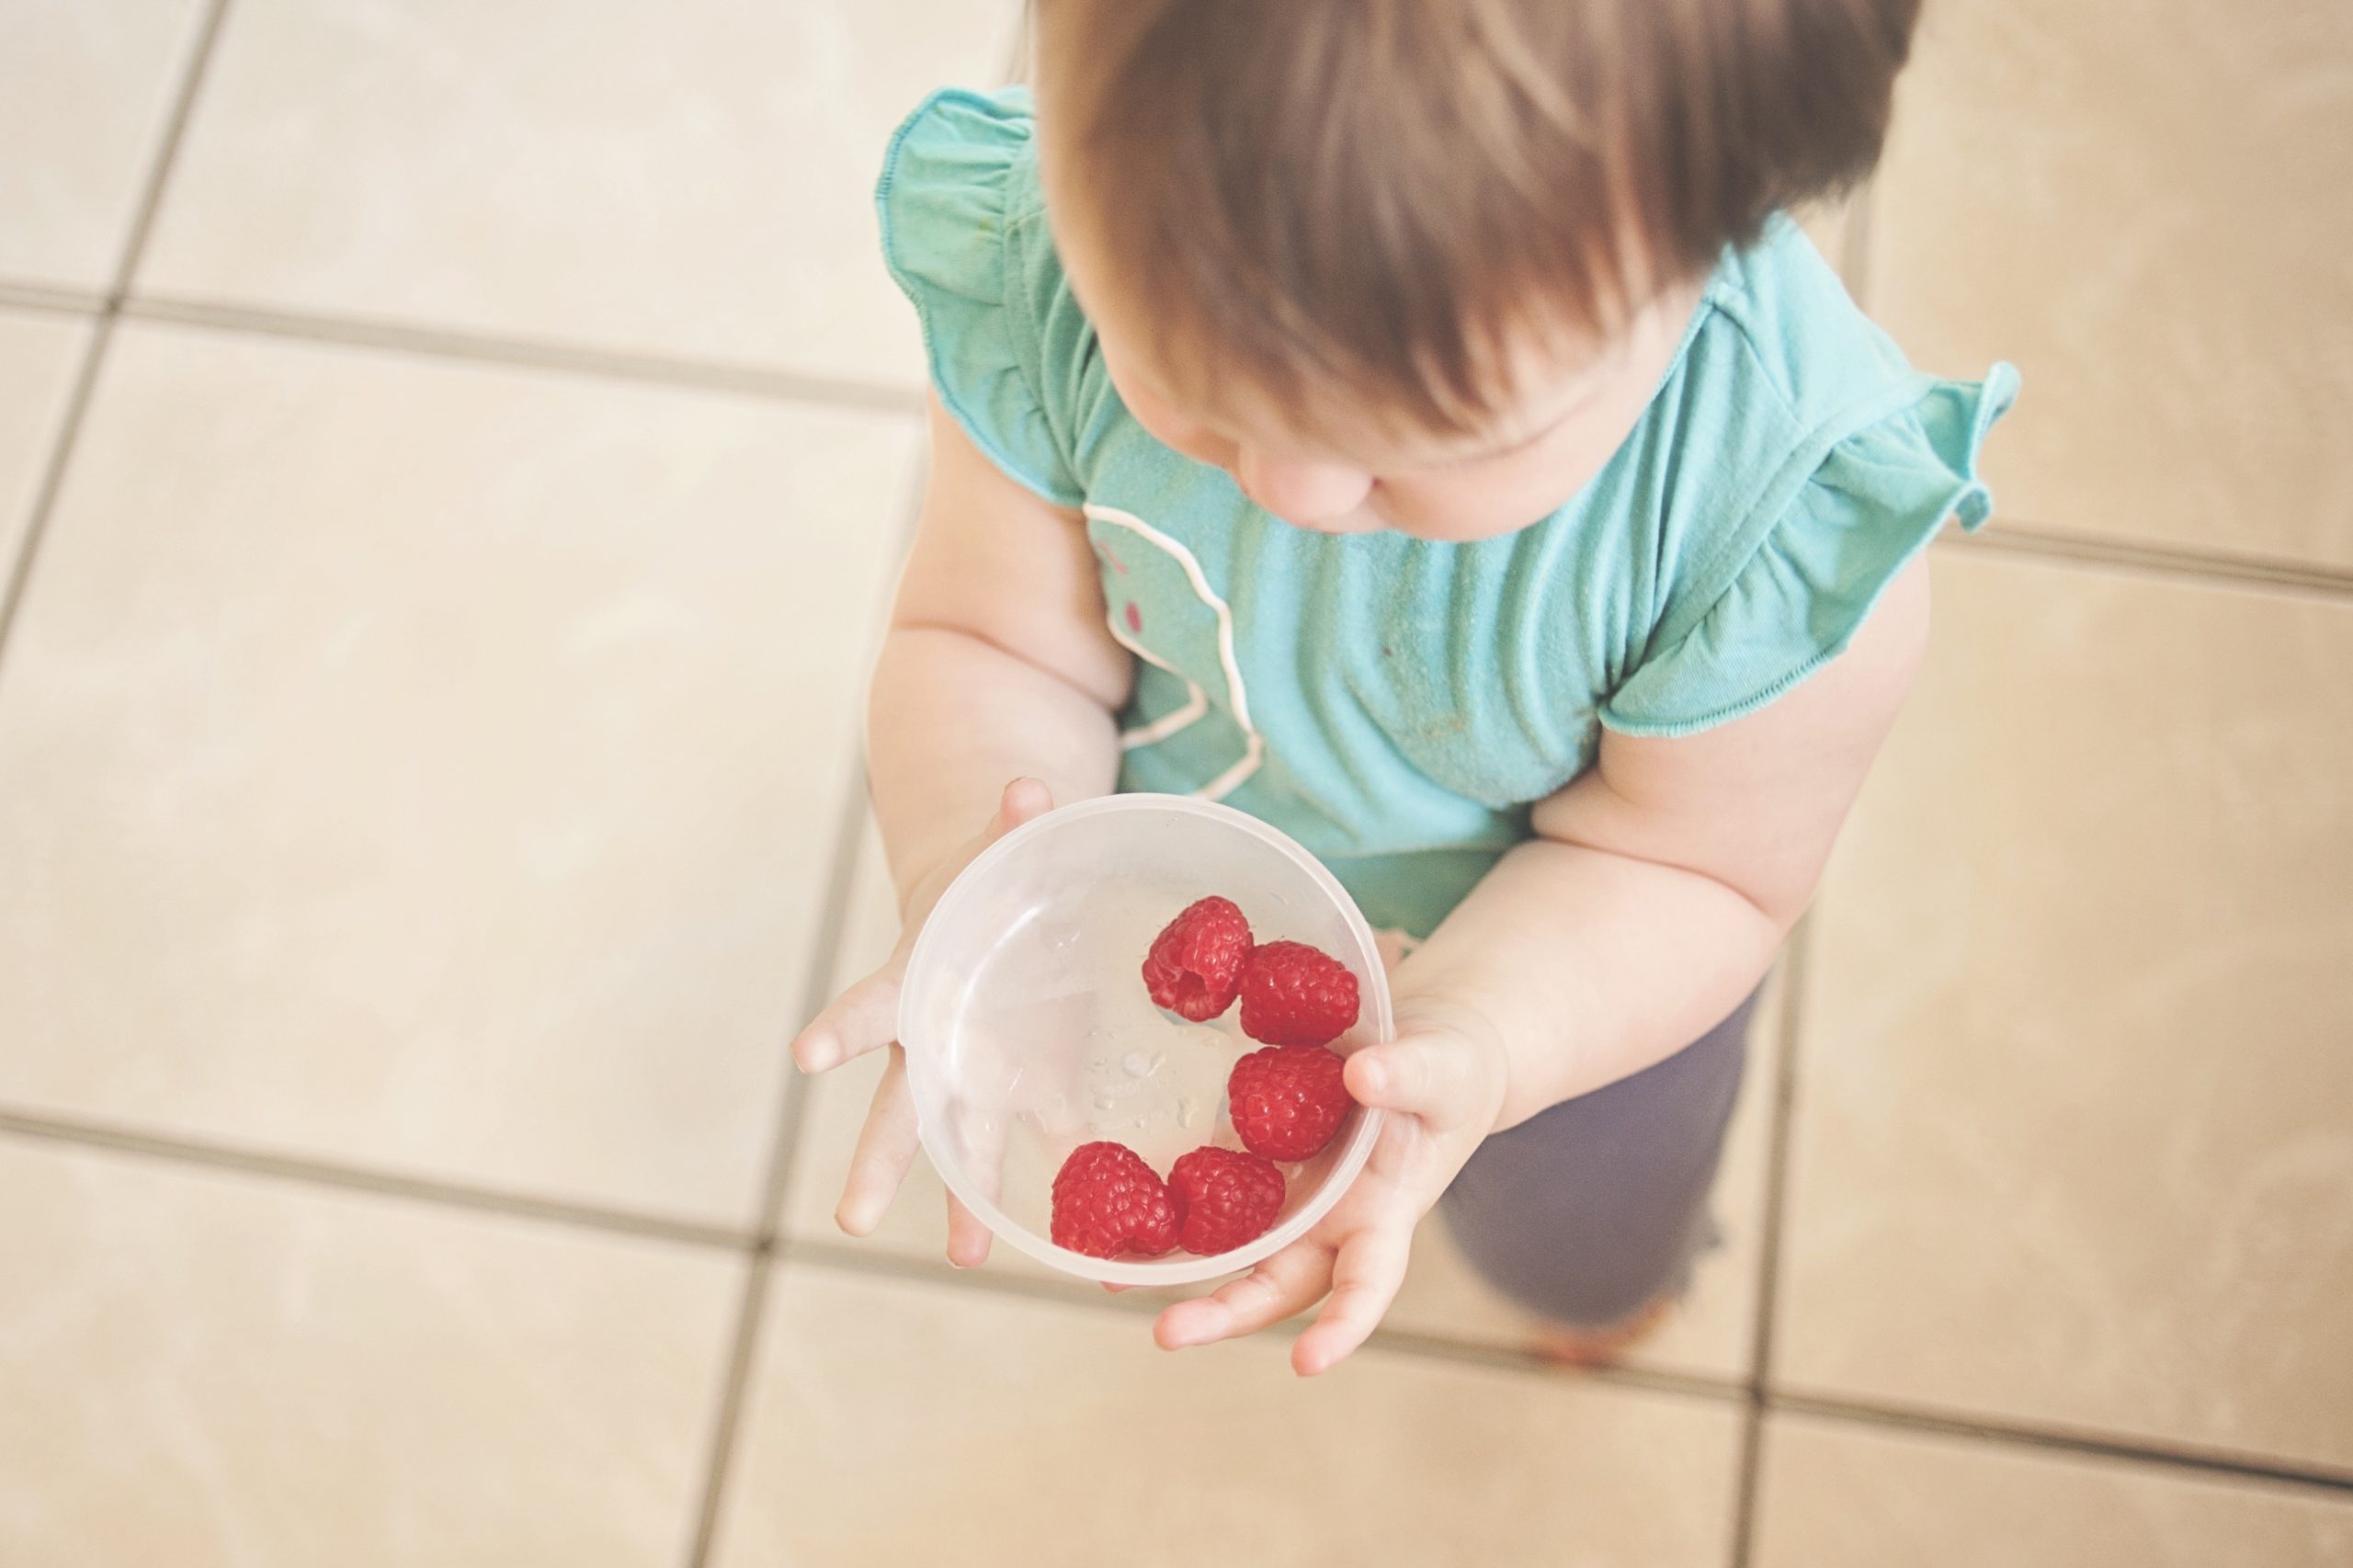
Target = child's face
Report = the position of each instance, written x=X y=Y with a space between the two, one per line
x=1569 y=409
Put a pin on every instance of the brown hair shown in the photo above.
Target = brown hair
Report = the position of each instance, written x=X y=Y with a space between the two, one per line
x=1381 y=191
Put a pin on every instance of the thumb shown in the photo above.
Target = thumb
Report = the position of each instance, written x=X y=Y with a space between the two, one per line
x=1023 y=800
x=1441 y=1076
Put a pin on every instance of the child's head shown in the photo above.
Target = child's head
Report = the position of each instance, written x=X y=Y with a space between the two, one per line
x=1419 y=264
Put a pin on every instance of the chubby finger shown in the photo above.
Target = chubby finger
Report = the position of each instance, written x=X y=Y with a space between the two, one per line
x=1365 y=1280
x=1286 y=1283
x=886 y=1147
x=1435 y=1076
x=968 y=1239
x=860 y=1019
x=983 y=1139
x=1022 y=800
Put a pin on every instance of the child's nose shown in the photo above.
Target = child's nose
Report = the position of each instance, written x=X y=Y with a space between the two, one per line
x=1307 y=494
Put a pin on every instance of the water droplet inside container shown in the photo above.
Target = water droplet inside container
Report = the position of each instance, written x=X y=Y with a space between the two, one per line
x=1184 y=1111
x=1140 y=1066
x=1104 y=1102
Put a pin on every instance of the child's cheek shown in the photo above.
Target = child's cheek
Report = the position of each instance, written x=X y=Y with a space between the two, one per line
x=1193 y=442
x=1173 y=430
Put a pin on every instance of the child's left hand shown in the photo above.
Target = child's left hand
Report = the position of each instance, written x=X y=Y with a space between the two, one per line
x=1441 y=1085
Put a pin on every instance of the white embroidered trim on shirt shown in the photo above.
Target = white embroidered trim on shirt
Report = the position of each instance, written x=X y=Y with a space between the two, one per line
x=1255 y=748
x=1197 y=701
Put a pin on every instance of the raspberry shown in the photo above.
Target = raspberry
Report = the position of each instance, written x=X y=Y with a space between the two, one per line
x=1295 y=994
x=1288 y=1100
x=1108 y=1201
x=1227 y=1198
x=1194 y=965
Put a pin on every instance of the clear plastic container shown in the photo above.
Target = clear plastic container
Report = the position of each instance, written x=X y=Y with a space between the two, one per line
x=1028 y=1030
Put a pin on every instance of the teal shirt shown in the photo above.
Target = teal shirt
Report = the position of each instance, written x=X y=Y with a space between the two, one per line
x=1397 y=705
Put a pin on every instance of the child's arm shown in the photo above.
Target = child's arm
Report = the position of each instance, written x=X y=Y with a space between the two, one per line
x=997 y=665
x=1662 y=883
x=1665 y=880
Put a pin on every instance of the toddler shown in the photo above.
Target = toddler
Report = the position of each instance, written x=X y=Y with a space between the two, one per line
x=1415 y=423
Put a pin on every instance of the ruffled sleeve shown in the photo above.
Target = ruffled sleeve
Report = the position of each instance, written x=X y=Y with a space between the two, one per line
x=1873 y=503
x=953 y=193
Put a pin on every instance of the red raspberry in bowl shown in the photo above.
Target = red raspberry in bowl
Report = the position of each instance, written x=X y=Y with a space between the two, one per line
x=1108 y=1201
x=1295 y=994
x=1226 y=1197
x=1195 y=966
x=1288 y=1100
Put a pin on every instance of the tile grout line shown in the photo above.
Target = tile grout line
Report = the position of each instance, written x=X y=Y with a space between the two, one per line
x=2020 y=537
x=825 y=961
x=473 y=349
x=2005 y=535
x=16 y=573
x=2015 y=536
x=743 y=1348
x=1772 y=1217
x=378 y=1183
x=2080 y=1444
x=850 y=1258
x=758 y=1249
x=56 y=301
x=868 y=1262
x=2024 y=537
x=168 y=151
x=841 y=887
x=19 y=571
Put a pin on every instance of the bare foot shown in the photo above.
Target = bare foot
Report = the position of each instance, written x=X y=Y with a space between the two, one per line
x=1588 y=1348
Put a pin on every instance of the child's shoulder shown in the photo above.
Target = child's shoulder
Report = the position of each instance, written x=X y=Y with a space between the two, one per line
x=1800 y=332
x=981 y=145
x=963 y=219
x=1811 y=463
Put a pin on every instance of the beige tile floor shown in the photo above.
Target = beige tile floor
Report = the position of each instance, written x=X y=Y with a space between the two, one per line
x=428 y=802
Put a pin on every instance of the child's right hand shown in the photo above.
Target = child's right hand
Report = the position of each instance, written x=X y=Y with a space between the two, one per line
x=867 y=1015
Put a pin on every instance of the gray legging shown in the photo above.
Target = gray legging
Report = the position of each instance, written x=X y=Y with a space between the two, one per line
x=1589 y=1211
